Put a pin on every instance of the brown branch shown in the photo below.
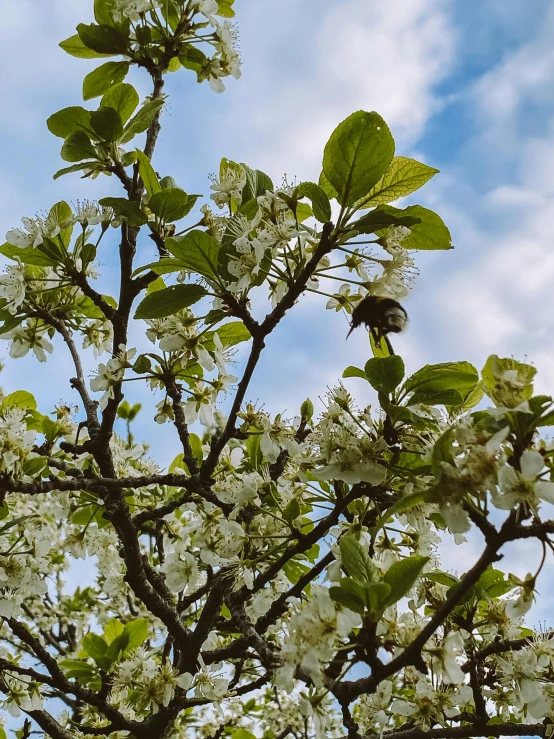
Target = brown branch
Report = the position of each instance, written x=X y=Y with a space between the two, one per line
x=60 y=682
x=251 y=635
x=40 y=677
x=469 y=731
x=140 y=576
x=259 y=334
x=49 y=725
x=78 y=382
x=180 y=423
x=280 y=606
x=350 y=690
x=503 y=645
x=239 y=309
x=81 y=281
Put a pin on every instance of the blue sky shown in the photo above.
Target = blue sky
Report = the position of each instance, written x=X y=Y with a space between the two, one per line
x=464 y=86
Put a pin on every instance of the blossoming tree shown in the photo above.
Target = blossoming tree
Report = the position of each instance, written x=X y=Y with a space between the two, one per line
x=281 y=577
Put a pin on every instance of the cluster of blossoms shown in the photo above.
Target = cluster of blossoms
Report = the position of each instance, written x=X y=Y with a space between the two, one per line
x=277 y=567
x=16 y=440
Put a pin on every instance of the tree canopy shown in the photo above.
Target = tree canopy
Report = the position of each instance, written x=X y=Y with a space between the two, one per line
x=282 y=576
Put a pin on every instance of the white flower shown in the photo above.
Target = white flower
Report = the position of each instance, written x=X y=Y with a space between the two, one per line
x=35 y=229
x=99 y=335
x=111 y=374
x=199 y=406
x=444 y=658
x=394 y=237
x=207 y=683
x=28 y=337
x=181 y=571
x=87 y=213
x=230 y=184
x=523 y=487
x=12 y=287
x=367 y=471
x=341 y=299
x=132 y=9
x=208 y=8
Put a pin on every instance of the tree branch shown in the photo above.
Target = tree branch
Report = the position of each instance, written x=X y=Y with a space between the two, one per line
x=469 y=731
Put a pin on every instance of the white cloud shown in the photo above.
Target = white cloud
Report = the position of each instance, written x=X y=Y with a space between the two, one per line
x=500 y=297
x=360 y=55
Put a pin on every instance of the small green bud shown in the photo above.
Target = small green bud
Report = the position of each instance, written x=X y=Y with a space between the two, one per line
x=307 y=410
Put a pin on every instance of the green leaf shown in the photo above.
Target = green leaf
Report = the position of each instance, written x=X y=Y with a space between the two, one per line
x=442 y=578
x=291 y=511
x=446 y=384
x=123 y=98
x=192 y=58
x=257 y=182
x=127 y=209
x=112 y=629
x=10 y=324
x=20 y=399
x=354 y=372
x=142 y=365
x=403 y=177
x=75 y=47
x=52 y=249
x=147 y=173
x=67 y=121
x=103 y=39
x=196 y=447
x=320 y=202
x=137 y=631
x=107 y=124
x=169 y=301
x=28 y=255
x=327 y=187
x=253 y=450
x=73 y=168
x=96 y=648
x=472 y=398
x=233 y=333
x=77 y=668
x=77 y=147
x=359 y=151
x=103 y=12
x=171 y=13
x=157 y=284
x=385 y=373
x=381 y=218
x=163 y=266
x=225 y=10
x=381 y=349
x=431 y=233
x=404 y=504
x=118 y=646
x=402 y=575
x=294 y=570
x=34 y=466
x=356 y=560
x=197 y=251
x=505 y=392
x=377 y=595
x=85 y=515
x=347 y=599
x=171 y=204
x=100 y=80
x=142 y=120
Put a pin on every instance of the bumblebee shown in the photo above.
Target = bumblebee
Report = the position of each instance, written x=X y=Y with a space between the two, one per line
x=381 y=316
